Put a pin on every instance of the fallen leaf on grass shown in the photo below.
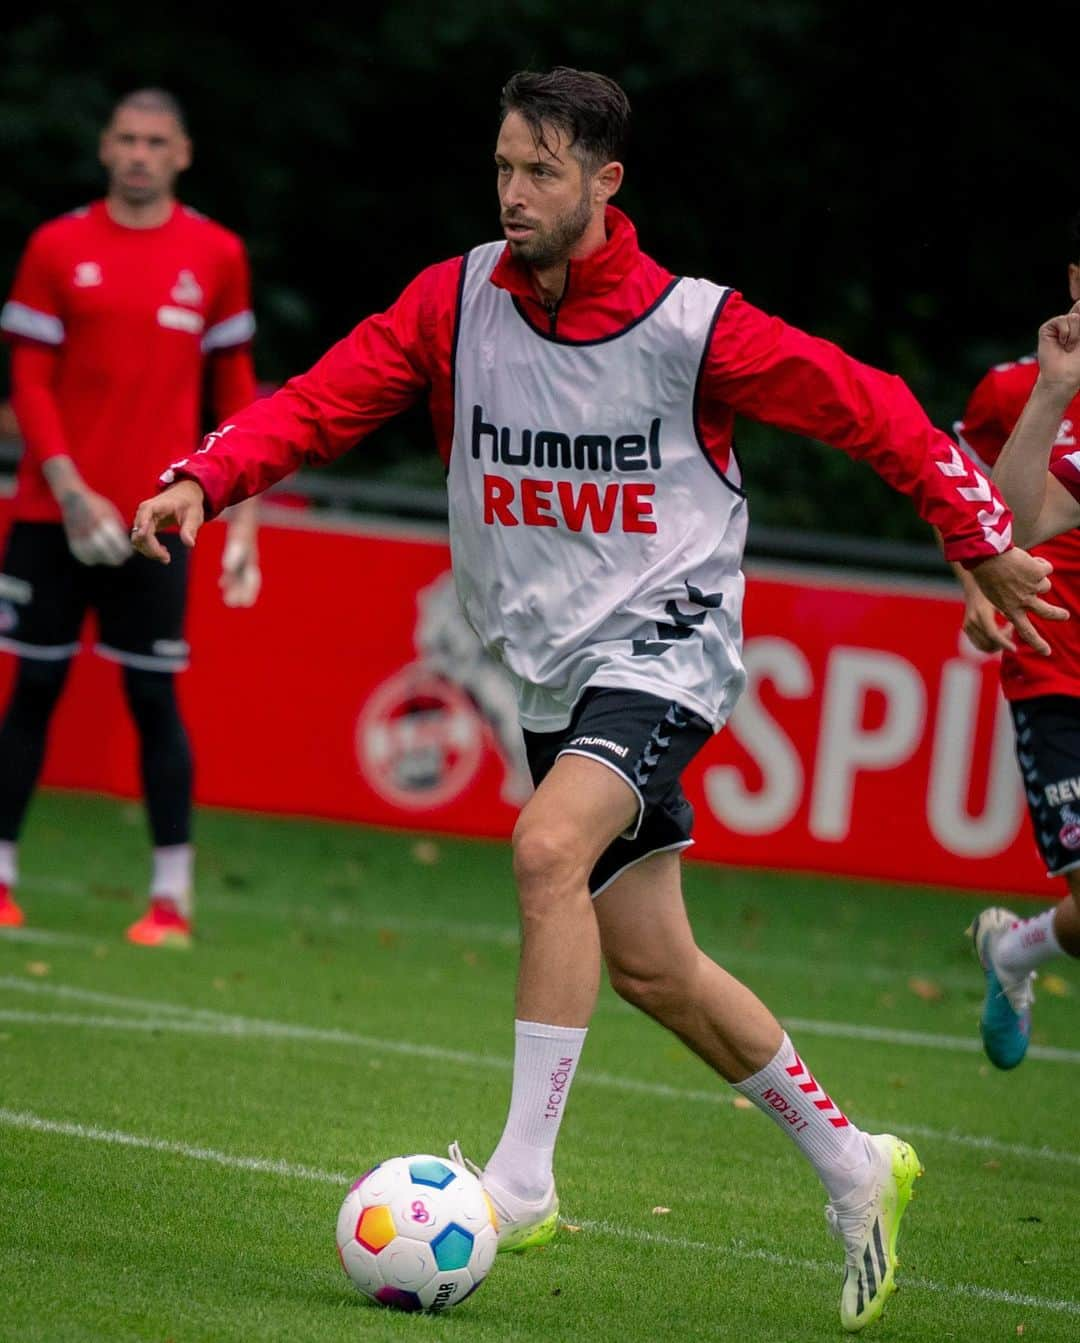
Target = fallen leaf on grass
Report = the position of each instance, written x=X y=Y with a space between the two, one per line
x=568 y=1226
x=660 y=1212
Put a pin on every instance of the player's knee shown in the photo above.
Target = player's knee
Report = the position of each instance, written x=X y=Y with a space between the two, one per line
x=546 y=859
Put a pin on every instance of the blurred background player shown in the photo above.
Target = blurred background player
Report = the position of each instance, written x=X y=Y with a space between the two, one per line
x=1044 y=696
x=115 y=310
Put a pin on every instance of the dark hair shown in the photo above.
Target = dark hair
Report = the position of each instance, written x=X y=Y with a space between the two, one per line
x=153 y=100
x=1074 y=239
x=590 y=109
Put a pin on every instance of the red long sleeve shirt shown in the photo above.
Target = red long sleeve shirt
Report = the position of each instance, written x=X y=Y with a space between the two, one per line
x=111 y=329
x=756 y=365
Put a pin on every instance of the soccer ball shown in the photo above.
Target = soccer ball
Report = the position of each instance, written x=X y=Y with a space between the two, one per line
x=417 y=1233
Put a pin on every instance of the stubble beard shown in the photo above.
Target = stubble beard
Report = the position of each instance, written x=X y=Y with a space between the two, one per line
x=552 y=247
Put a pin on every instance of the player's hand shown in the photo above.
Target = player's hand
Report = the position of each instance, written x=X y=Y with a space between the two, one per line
x=1013 y=583
x=94 y=528
x=241 y=578
x=1059 y=351
x=181 y=505
x=983 y=628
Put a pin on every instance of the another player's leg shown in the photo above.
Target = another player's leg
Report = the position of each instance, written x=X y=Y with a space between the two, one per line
x=42 y=601
x=141 y=613
x=1010 y=949
x=576 y=811
x=23 y=735
x=655 y=963
x=165 y=760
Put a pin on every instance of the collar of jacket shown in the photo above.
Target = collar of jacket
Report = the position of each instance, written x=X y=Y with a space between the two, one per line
x=596 y=273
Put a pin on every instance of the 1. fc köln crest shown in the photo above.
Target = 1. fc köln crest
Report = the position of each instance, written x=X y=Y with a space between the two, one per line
x=421 y=736
x=419 y=739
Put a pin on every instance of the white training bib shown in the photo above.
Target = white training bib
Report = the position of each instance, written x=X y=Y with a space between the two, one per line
x=594 y=542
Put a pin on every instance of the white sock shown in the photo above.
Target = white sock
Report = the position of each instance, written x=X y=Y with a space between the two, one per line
x=1027 y=944
x=545 y=1059
x=172 y=876
x=8 y=864
x=790 y=1094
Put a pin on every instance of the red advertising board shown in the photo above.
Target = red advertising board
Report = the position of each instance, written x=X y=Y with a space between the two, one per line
x=871 y=740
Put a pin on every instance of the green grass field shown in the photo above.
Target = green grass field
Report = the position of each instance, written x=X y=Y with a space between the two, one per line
x=177 y=1130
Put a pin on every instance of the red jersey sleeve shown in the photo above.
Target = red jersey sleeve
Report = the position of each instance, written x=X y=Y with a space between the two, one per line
x=777 y=374
x=230 y=321
x=227 y=340
x=34 y=309
x=33 y=319
x=381 y=368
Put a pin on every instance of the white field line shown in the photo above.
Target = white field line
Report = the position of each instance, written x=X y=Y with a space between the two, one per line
x=506 y=935
x=737 y=1251
x=21 y=1119
x=836 y=1029
x=176 y=1018
x=48 y=937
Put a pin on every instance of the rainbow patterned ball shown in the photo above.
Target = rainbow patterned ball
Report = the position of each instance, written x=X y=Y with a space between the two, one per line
x=417 y=1233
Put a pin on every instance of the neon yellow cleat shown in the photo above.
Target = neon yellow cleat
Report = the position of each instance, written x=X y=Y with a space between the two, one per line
x=521 y=1224
x=868 y=1222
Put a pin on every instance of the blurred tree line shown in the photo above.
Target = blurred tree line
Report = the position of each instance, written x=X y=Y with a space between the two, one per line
x=898 y=179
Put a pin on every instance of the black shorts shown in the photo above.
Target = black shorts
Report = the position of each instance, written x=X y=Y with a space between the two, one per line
x=45 y=594
x=648 y=742
x=1048 y=750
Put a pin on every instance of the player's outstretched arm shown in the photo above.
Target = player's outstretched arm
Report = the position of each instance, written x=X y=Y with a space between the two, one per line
x=1014 y=582
x=180 y=506
x=1042 y=507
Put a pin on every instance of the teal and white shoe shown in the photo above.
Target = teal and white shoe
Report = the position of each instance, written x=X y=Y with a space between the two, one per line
x=1005 y=1024
x=868 y=1221
x=522 y=1223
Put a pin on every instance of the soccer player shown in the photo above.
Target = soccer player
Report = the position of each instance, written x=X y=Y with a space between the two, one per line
x=1025 y=417
x=583 y=399
x=116 y=309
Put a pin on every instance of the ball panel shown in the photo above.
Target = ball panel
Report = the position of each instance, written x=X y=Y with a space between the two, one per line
x=375 y=1228
x=362 y=1268
x=447 y=1289
x=430 y=1170
x=420 y=1212
x=349 y=1214
x=452 y=1248
x=398 y=1299
x=485 y=1246
x=407 y=1263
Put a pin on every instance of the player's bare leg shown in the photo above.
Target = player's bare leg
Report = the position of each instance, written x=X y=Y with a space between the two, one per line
x=578 y=809
x=655 y=963
x=575 y=813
